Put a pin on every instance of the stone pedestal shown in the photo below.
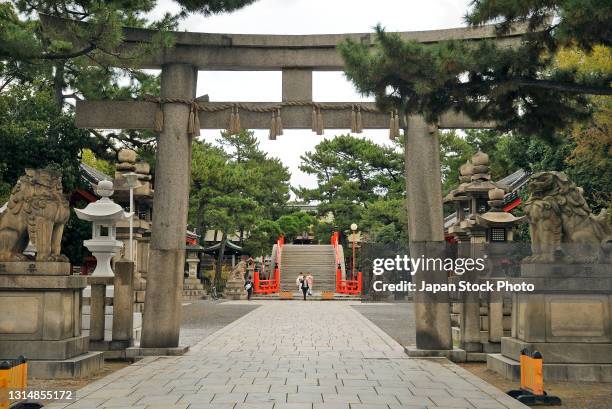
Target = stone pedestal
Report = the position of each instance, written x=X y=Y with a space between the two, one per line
x=140 y=287
x=234 y=289
x=41 y=319
x=568 y=319
x=119 y=321
x=193 y=289
x=108 y=312
x=493 y=312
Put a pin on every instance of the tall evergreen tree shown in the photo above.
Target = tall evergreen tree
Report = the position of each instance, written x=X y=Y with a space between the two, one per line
x=237 y=189
x=519 y=86
x=352 y=173
x=77 y=63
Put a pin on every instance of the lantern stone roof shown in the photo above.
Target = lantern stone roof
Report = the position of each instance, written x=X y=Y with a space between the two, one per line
x=104 y=209
x=489 y=219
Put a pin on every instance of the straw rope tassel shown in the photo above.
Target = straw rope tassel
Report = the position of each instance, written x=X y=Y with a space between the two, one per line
x=320 y=128
x=193 y=126
x=314 y=120
x=392 y=125
x=279 y=123
x=353 y=120
x=359 y=120
x=272 y=135
x=196 y=122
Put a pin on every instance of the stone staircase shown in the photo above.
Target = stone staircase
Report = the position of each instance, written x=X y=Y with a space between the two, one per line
x=319 y=260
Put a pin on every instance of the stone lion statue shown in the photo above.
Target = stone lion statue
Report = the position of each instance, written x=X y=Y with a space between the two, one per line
x=239 y=271
x=558 y=213
x=37 y=211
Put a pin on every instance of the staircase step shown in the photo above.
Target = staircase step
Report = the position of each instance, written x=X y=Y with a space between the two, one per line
x=318 y=260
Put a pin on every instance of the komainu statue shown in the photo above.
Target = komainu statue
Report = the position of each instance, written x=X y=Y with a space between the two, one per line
x=558 y=214
x=37 y=211
x=239 y=271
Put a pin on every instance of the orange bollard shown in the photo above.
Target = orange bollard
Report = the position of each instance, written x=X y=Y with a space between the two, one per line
x=14 y=377
x=532 y=382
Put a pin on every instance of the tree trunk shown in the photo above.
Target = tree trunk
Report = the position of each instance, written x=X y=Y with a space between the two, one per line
x=220 y=258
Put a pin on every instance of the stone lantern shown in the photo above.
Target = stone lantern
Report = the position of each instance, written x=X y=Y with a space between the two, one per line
x=499 y=224
x=481 y=224
x=103 y=214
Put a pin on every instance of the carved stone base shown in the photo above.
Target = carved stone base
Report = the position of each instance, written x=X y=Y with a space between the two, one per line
x=80 y=366
x=568 y=319
x=561 y=352
x=193 y=289
x=47 y=349
x=234 y=290
x=40 y=318
x=34 y=268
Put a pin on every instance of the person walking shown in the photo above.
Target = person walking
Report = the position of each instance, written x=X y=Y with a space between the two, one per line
x=249 y=288
x=309 y=280
x=304 y=286
x=298 y=281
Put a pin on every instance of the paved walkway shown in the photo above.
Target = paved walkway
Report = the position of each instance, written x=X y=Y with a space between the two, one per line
x=294 y=354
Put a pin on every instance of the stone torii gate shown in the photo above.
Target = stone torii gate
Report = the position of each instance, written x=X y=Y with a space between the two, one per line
x=297 y=56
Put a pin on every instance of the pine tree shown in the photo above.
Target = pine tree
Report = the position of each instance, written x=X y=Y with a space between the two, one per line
x=78 y=62
x=519 y=87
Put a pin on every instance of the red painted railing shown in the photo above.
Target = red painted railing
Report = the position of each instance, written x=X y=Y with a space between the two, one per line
x=267 y=286
x=352 y=287
x=335 y=242
x=273 y=285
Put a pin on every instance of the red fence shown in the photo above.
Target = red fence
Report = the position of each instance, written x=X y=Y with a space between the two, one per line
x=273 y=285
x=352 y=287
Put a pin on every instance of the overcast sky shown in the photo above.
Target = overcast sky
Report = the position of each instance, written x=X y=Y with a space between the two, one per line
x=309 y=17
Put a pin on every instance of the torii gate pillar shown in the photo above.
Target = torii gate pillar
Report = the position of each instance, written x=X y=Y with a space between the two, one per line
x=162 y=312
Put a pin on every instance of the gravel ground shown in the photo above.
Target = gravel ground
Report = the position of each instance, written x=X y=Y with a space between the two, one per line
x=203 y=317
x=396 y=319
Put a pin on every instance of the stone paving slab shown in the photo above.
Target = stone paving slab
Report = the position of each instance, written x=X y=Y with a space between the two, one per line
x=294 y=355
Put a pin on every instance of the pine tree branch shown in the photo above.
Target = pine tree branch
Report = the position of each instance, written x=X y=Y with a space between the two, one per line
x=8 y=80
x=66 y=56
x=105 y=139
